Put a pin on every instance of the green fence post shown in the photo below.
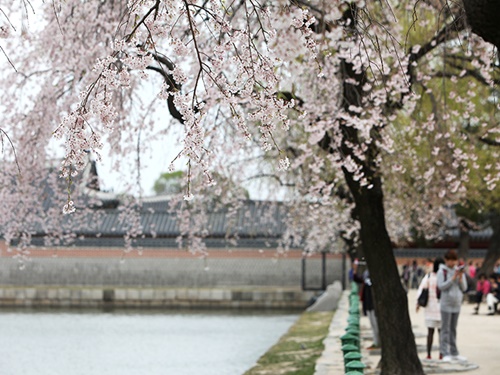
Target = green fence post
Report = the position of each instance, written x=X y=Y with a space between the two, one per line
x=355 y=366
x=352 y=356
x=349 y=348
x=349 y=338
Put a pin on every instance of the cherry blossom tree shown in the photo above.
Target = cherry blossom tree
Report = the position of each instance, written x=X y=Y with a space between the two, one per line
x=331 y=92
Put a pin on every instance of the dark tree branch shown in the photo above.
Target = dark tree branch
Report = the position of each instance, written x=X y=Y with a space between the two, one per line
x=447 y=33
x=272 y=176
x=165 y=67
x=474 y=73
x=469 y=73
x=489 y=142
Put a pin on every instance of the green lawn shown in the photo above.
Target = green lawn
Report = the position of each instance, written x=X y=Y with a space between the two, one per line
x=297 y=351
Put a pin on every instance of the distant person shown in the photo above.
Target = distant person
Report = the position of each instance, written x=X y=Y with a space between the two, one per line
x=416 y=274
x=432 y=313
x=482 y=289
x=428 y=265
x=369 y=305
x=493 y=297
x=472 y=270
x=452 y=283
x=496 y=269
x=353 y=270
x=405 y=275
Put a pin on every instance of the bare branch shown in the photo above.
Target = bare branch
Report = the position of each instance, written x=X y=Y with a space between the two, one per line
x=489 y=141
x=272 y=176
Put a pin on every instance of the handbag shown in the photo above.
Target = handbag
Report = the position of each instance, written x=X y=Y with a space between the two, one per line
x=423 y=298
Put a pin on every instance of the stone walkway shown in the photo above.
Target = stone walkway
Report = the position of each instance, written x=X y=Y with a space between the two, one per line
x=478 y=337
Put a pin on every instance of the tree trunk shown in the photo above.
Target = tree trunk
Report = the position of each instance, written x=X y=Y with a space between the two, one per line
x=399 y=353
x=493 y=253
x=483 y=17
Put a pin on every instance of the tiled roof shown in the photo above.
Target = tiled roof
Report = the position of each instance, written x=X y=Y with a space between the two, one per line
x=104 y=218
x=252 y=219
x=254 y=223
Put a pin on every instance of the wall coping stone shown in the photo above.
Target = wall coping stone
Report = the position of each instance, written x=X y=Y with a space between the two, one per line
x=167 y=297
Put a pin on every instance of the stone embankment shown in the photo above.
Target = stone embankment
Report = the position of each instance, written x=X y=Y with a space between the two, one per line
x=128 y=297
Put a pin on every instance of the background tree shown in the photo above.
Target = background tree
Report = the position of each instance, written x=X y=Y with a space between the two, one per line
x=457 y=142
x=169 y=183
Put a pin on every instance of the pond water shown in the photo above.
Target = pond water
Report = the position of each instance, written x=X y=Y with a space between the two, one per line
x=136 y=343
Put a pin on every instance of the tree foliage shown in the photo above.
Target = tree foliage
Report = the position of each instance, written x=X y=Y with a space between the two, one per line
x=169 y=183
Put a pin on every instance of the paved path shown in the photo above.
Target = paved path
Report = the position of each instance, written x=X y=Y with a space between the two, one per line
x=478 y=340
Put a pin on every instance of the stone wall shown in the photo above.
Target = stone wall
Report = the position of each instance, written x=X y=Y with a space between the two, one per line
x=238 y=279
x=167 y=272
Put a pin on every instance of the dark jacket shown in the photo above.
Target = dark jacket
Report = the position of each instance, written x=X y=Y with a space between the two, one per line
x=365 y=292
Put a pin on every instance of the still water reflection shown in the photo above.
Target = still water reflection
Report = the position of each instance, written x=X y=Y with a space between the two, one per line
x=135 y=343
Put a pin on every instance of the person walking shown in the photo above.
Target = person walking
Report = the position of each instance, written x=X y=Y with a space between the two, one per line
x=432 y=313
x=369 y=305
x=452 y=283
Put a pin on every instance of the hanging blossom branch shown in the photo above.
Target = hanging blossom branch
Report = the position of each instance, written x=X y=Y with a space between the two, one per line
x=5 y=33
x=249 y=90
x=4 y=134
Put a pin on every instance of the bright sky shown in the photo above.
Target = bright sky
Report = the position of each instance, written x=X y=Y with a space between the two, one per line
x=119 y=179
x=153 y=164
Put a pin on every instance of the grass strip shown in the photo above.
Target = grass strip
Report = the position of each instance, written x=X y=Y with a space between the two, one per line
x=297 y=351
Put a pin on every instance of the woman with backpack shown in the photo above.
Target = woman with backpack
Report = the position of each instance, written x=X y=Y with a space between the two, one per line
x=432 y=313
